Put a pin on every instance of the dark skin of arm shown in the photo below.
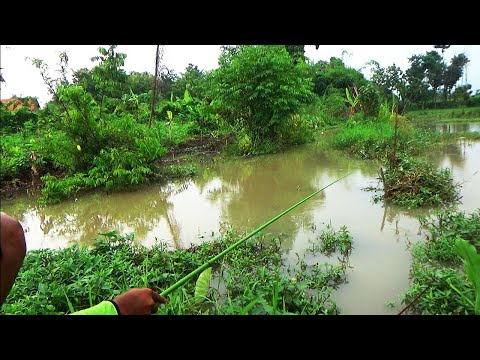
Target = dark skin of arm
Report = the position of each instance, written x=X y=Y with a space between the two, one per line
x=144 y=301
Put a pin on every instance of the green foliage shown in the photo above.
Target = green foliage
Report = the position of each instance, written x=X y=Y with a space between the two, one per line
x=374 y=139
x=428 y=73
x=139 y=82
x=80 y=125
x=335 y=74
x=331 y=241
x=193 y=80
x=188 y=109
x=83 y=77
x=436 y=265
x=14 y=120
x=390 y=80
x=116 y=168
x=297 y=52
x=14 y=155
x=56 y=190
x=259 y=89
x=108 y=76
x=369 y=100
x=252 y=279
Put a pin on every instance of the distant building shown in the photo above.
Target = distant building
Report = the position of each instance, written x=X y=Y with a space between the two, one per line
x=15 y=103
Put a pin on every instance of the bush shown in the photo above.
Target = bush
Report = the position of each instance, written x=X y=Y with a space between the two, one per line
x=259 y=89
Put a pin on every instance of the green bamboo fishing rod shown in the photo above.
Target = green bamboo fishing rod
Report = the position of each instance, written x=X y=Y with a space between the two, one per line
x=233 y=246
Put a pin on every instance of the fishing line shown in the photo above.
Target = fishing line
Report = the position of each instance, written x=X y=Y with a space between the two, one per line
x=231 y=247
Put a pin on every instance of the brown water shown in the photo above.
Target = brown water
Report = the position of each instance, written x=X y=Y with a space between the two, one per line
x=248 y=192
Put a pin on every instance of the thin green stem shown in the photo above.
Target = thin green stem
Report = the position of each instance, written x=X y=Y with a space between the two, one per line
x=231 y=247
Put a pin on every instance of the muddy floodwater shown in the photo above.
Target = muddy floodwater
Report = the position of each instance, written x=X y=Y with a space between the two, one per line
x=452 y=127
x=247 y=192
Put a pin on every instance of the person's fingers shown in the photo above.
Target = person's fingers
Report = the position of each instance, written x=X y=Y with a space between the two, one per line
x=158 y=298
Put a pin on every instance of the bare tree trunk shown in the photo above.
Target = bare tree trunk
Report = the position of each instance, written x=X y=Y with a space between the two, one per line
x=158 y=56
x=393 y=158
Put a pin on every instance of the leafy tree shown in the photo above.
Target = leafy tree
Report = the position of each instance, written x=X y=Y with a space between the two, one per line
x=191 y=80
x=83 y=77
x=139 y=82
x=462 y=93
x=297 y=52
x=109 y=78
x=336 y=74
x=369 y=100
x=453 y=73
x=167 y=79
x=259 y=89
x=417 y=88
x=390 y=80
x=435 y=68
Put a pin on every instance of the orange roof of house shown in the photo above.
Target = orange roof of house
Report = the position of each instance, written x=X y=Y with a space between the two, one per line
x=16 y=103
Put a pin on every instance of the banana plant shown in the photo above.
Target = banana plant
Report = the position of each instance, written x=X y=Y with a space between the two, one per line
x=471 y=259
x=353 y=101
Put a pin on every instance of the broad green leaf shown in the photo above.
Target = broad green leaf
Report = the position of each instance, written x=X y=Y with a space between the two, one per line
x=186 y=96
x=202 y=285
x=349 y=98
x=471 y=259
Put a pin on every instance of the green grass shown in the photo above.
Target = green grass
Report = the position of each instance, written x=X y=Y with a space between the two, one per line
x=470 y=114
x=253 y=279
x=374 y=140
x=438 y=268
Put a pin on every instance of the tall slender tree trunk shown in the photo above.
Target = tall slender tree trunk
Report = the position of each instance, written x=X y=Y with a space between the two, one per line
x=155 y=83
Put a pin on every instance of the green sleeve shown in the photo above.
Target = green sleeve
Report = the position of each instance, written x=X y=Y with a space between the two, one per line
x=104 y=308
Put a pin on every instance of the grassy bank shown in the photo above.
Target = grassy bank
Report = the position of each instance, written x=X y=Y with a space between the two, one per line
x=252 y=279
x=471 y=114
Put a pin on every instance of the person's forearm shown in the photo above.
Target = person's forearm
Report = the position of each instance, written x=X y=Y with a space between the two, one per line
x=104 y=308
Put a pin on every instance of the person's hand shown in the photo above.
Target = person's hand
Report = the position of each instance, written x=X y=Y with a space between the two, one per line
x=139 y=302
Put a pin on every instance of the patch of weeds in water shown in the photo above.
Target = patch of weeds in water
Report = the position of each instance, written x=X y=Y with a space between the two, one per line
x=415 y=183
x=252 y=279
x=438 y=268
x=330 y=241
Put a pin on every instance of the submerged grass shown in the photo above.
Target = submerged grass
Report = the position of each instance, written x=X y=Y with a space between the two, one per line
x=438 y=269
x=252 y=279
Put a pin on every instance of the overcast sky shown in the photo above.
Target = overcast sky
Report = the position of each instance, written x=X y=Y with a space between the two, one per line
x=23 y=79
